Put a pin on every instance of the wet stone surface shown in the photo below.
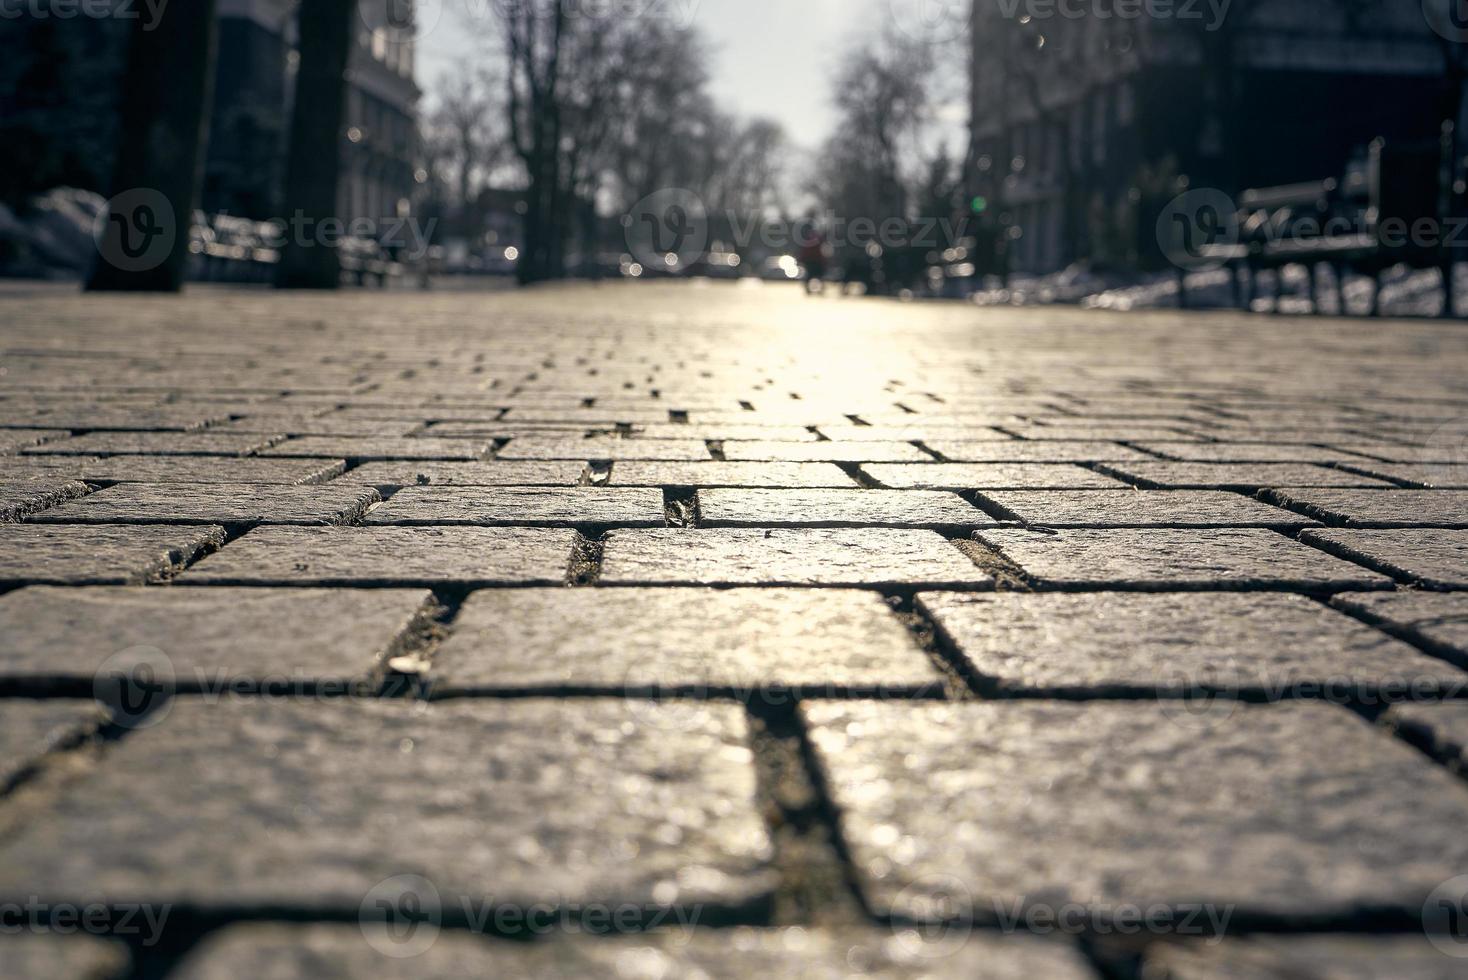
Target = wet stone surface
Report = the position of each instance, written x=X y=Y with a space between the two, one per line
x=524 y=506
x=216 y=503
x=473 y=801
x=671 y=640
x=389 y=556
x=1159 y=559
x=743 y=556
x=1178 y=645
x=1137 y=807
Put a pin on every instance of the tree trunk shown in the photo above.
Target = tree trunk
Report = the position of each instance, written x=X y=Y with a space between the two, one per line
x=163 y=131
x=313 y=169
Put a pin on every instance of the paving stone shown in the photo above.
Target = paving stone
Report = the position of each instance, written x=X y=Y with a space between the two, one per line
x=342 y=794
x=30 y=729
x=491 y=474
x=206 y=443
x=819 y=641
x=32 y=554
x=368 y=450
x=837 y=508
x=61 y=957
x=1158 y=559
x=538 y=447
x=1131 y=431
x=716 y=474
x=921 y=431
x=323 y=426
x=1016 y=451
x=104 y=417
x=1439 y=476
x=1140 y=508
x=1435 y=619
x=826 y=452
x=989 y=476
x=1379 y=508
x=1329 y=957
x=1441 y=728
x=523 y=506
x=1431 y=557
x=215 y=503
x=19 y=499
x=337 y=952
x=1291 y=810
x=1180 y=643
x=172 y=469
x=740 y=556
x=203 y=639
x=1246 y=452
x=724 y=432
x=1239 y=476
x=389 y=556
x=1404 y=451
x=501 y=430
x=14 y=440
x=592 y=416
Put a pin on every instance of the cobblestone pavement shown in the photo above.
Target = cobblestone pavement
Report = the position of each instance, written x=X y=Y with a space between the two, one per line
x=685 y=630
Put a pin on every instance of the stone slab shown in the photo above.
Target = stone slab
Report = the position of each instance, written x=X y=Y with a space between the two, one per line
x=57 y=957
x=679 y=640
x=327 y=425
x=203 y=639
x=1161 y=559
x=22 y=498
x=29 y=729
x=741 y=556
x=14 y=440
x=825 y=452
x=1017 y=451
x=989 y=476
x=215 y=503
x=492 y=474
x=633 y=473
x=838 y=508
x=1379 y=508
x=338 y=952
x=1247 y=452
x=172 y=469
x=557 y=447
x=389 y=556
x=1336 y=957
x=343 y=794
x=724 y=432
x=1140 y=508
x=1274 y=645
x=1442 y=728
x=1431 y=557
x=522 y=506
x=1238 y=476
x=1290 y=810
x=1438 y=476
x=370 y=450
x=205 y=443
x=1437 y=620
x=34 y=554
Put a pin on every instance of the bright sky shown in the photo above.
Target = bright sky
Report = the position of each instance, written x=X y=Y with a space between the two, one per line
x=774 y=58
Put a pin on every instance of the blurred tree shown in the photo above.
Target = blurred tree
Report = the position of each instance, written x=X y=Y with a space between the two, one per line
x=164 y=122
x=313 y=164
x=463 y=142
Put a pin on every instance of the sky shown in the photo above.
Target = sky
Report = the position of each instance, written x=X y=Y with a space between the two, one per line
x=773 y=58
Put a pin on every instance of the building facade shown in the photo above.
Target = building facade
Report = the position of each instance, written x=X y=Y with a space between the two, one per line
x=1081 y=125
